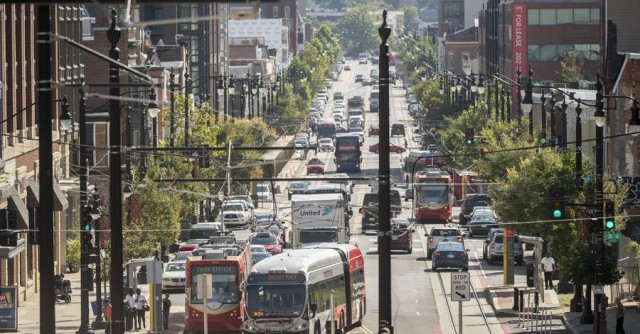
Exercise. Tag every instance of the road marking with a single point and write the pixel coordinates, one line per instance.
(374, 240)
(373, 249)
(417, 313)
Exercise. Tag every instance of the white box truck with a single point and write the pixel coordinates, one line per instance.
(318, 218)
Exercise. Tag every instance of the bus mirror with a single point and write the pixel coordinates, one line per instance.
(314, 308)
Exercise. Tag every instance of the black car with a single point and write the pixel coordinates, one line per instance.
(397, 130)
(481, 223)
(369, 211)
(471, 201)
(359, 78)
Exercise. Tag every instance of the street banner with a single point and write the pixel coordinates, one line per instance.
(8, 308)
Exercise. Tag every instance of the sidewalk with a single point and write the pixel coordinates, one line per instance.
(563, 321)
(67, 316)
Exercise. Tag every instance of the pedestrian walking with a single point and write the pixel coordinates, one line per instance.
(108, 314)
(548, 265)
(131, 309)
(619, 317)
(166, 305)
(141, 305)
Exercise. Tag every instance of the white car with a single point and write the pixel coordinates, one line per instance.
(234, 218)
(325, 144)
(263, 192)
(174, 275)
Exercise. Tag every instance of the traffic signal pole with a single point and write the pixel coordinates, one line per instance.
(384, 223)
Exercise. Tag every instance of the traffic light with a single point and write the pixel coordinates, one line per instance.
(430, 106)
(87, 226)
(543, 138)
(468, 136)
(483, 152)
(557, 203)
(609, 216)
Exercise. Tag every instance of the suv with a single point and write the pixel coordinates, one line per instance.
(442, 233)
(495, 249)
(369, 210)
(401, 234)
(397, 130)
(471, 201)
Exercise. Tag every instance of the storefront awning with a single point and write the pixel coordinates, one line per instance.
(11, 252)
(22, 213)
(60, 202)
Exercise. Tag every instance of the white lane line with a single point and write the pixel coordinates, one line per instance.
(373, 249)
(373, 240)
(478, 260)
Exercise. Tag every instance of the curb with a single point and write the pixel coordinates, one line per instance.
(568, 326)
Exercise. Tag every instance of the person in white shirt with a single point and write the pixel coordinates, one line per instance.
(141, 302)
(131, 309)
(548, 265)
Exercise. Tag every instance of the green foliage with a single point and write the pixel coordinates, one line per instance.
(410, 15)
(158, 220)
(73, 252)
(571, 67)
(452, 136)
(357, 30)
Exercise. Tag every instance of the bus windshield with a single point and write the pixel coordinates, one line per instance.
(348, 144)
(348, 156)
(225, 286)
(270, 300)
(326, 130)
(431, 193)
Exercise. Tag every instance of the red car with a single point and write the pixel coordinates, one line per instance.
(315, 165)
(270, 242)
(375, 148)
(401, 234)
(374, 129)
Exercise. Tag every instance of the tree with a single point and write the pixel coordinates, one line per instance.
(357, 30)
(410, 15)
(571, 67)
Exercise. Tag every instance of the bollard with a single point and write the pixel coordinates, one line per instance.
(515, 298)
(521, 300)
(536, 300)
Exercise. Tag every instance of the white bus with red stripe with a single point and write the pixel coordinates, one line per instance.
(292, 292)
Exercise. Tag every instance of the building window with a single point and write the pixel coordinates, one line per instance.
(595, 16)
(533, 17)
(276, 11)
(564, 16)
(287, 11)
(553, 52)
(581, 16)
(450, 9)
(547, 16)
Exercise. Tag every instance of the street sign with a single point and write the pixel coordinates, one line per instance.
(612, 235)
(460, 286)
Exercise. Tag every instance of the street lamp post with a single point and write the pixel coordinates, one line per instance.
(115, 193)
(543, 132)
(96, 213)
(527, 102)
(518, 82)
(153, 110)
(187, 83)
(172, 113)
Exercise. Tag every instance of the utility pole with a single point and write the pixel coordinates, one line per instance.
(115, 190)
(384, 225)
(229, 170)
(45, 154)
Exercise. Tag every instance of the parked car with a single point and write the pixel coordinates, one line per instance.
(325, 144)
(374, 129)
(315, 165)
(402, 234)
(297, 187)
(481, 222)
(495, 249)
(174, 275)
(471, 201)
(375, 148)
(450, 255)
(487, 239)
(440, 234)
(270, 243)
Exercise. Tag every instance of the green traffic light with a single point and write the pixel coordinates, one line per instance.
(557, 214)
(87, 227)
(609, 224)
(543, 141)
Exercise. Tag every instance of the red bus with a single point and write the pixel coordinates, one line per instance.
(433, 196)
(229, 267)
(467, 182)
(292, 292)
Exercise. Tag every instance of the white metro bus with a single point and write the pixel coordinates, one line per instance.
(291, 292)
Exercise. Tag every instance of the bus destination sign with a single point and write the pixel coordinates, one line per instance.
(276, 277)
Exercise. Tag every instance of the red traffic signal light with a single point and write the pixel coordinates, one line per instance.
(430, 106)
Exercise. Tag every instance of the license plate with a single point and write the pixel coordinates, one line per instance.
(484, 226)
(394, 238)
(450, 256)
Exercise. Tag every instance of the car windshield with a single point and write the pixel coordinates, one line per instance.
(262, 240)
(232, 207)
(298, 186)
(262, 188)
(498, 239)
(450, 246)
(326, 141)
(444, 233)
(315, 162)
(175, 266)
(310, 236)
(483, 218)
(271, 300)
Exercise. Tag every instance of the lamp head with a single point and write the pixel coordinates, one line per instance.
(66, 119)
(152, 108)
(127, 191)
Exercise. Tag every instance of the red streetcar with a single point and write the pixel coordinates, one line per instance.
(433, 196)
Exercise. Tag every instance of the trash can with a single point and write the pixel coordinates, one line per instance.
(531, 272)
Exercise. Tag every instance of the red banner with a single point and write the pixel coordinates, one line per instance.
(519, 37)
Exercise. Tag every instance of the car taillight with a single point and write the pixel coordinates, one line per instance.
(430, 239)
(437, 253)
(459, 239)
(463, 253)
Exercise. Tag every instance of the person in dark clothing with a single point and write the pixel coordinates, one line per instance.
(619, 317)
(166, 305)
